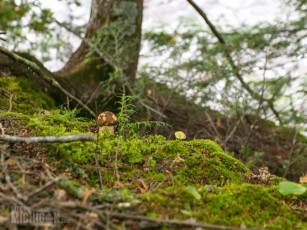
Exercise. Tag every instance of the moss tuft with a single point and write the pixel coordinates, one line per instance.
(231, 205)
(25, 97)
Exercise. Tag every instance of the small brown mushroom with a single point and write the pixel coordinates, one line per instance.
(106, 121)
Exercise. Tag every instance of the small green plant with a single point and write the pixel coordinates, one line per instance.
(126, 110)
(126, 128)
(68, 113)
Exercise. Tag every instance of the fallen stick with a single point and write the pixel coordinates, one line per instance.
(178, 223)
(47, 139)
(47, 185)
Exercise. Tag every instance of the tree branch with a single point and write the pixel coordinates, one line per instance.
(230, 60)
(47, 139)
(162, 222)
(42, 73)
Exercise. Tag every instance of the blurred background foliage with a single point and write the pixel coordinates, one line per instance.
(32, 28)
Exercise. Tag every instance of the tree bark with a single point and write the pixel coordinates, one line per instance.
(111, 44)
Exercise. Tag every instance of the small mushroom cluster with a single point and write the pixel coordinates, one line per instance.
(106, 121)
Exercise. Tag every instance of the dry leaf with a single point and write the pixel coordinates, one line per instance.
(61, 194)
(303, 179)
(118, 185)
(178, 159)
(11, 162)
(146, 169)
(143, 187)
(86, 195)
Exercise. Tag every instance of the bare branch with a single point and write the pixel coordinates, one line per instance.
(291, 152)
(47, 139)
(233, 130)
(177, 223)
(230, 60)
(40, 189)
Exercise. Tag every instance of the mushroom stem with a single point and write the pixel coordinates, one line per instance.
(110, 129)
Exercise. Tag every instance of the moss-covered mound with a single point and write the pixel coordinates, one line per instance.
(20, 95)
(160, 178)
(230, 205)
(147, 176)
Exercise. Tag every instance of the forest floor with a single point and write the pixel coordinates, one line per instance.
(129, 180)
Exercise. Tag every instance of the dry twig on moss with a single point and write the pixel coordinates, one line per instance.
(173, 223)
(47, 139)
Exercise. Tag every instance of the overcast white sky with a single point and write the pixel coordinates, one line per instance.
(167, 13)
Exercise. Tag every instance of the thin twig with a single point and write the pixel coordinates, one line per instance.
(212, 124)
(233, 130)
(170, 222)
(291, 153)
(234, 67)
(15, 190)
(140, 218)
(260, 105)
(10, 102)
(97, 162)
(116, 159)
(47, 139)
(47, 185)
(12, 199)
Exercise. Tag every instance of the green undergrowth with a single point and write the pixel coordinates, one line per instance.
(162, 178)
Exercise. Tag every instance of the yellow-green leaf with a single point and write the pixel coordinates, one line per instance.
(180, 135)
(192, 191)
(287, 187)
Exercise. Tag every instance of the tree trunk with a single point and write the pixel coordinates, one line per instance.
(109, 51)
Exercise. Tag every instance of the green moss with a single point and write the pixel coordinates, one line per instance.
(230, 205)
(71, 187)
(20, 119)
(167, 169)
(26, 97)
(168, 162)
(57, 124)
(229, 162)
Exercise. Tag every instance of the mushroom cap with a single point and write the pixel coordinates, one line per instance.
(106, 119)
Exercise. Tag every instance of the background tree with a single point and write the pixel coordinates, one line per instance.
(106, 61)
